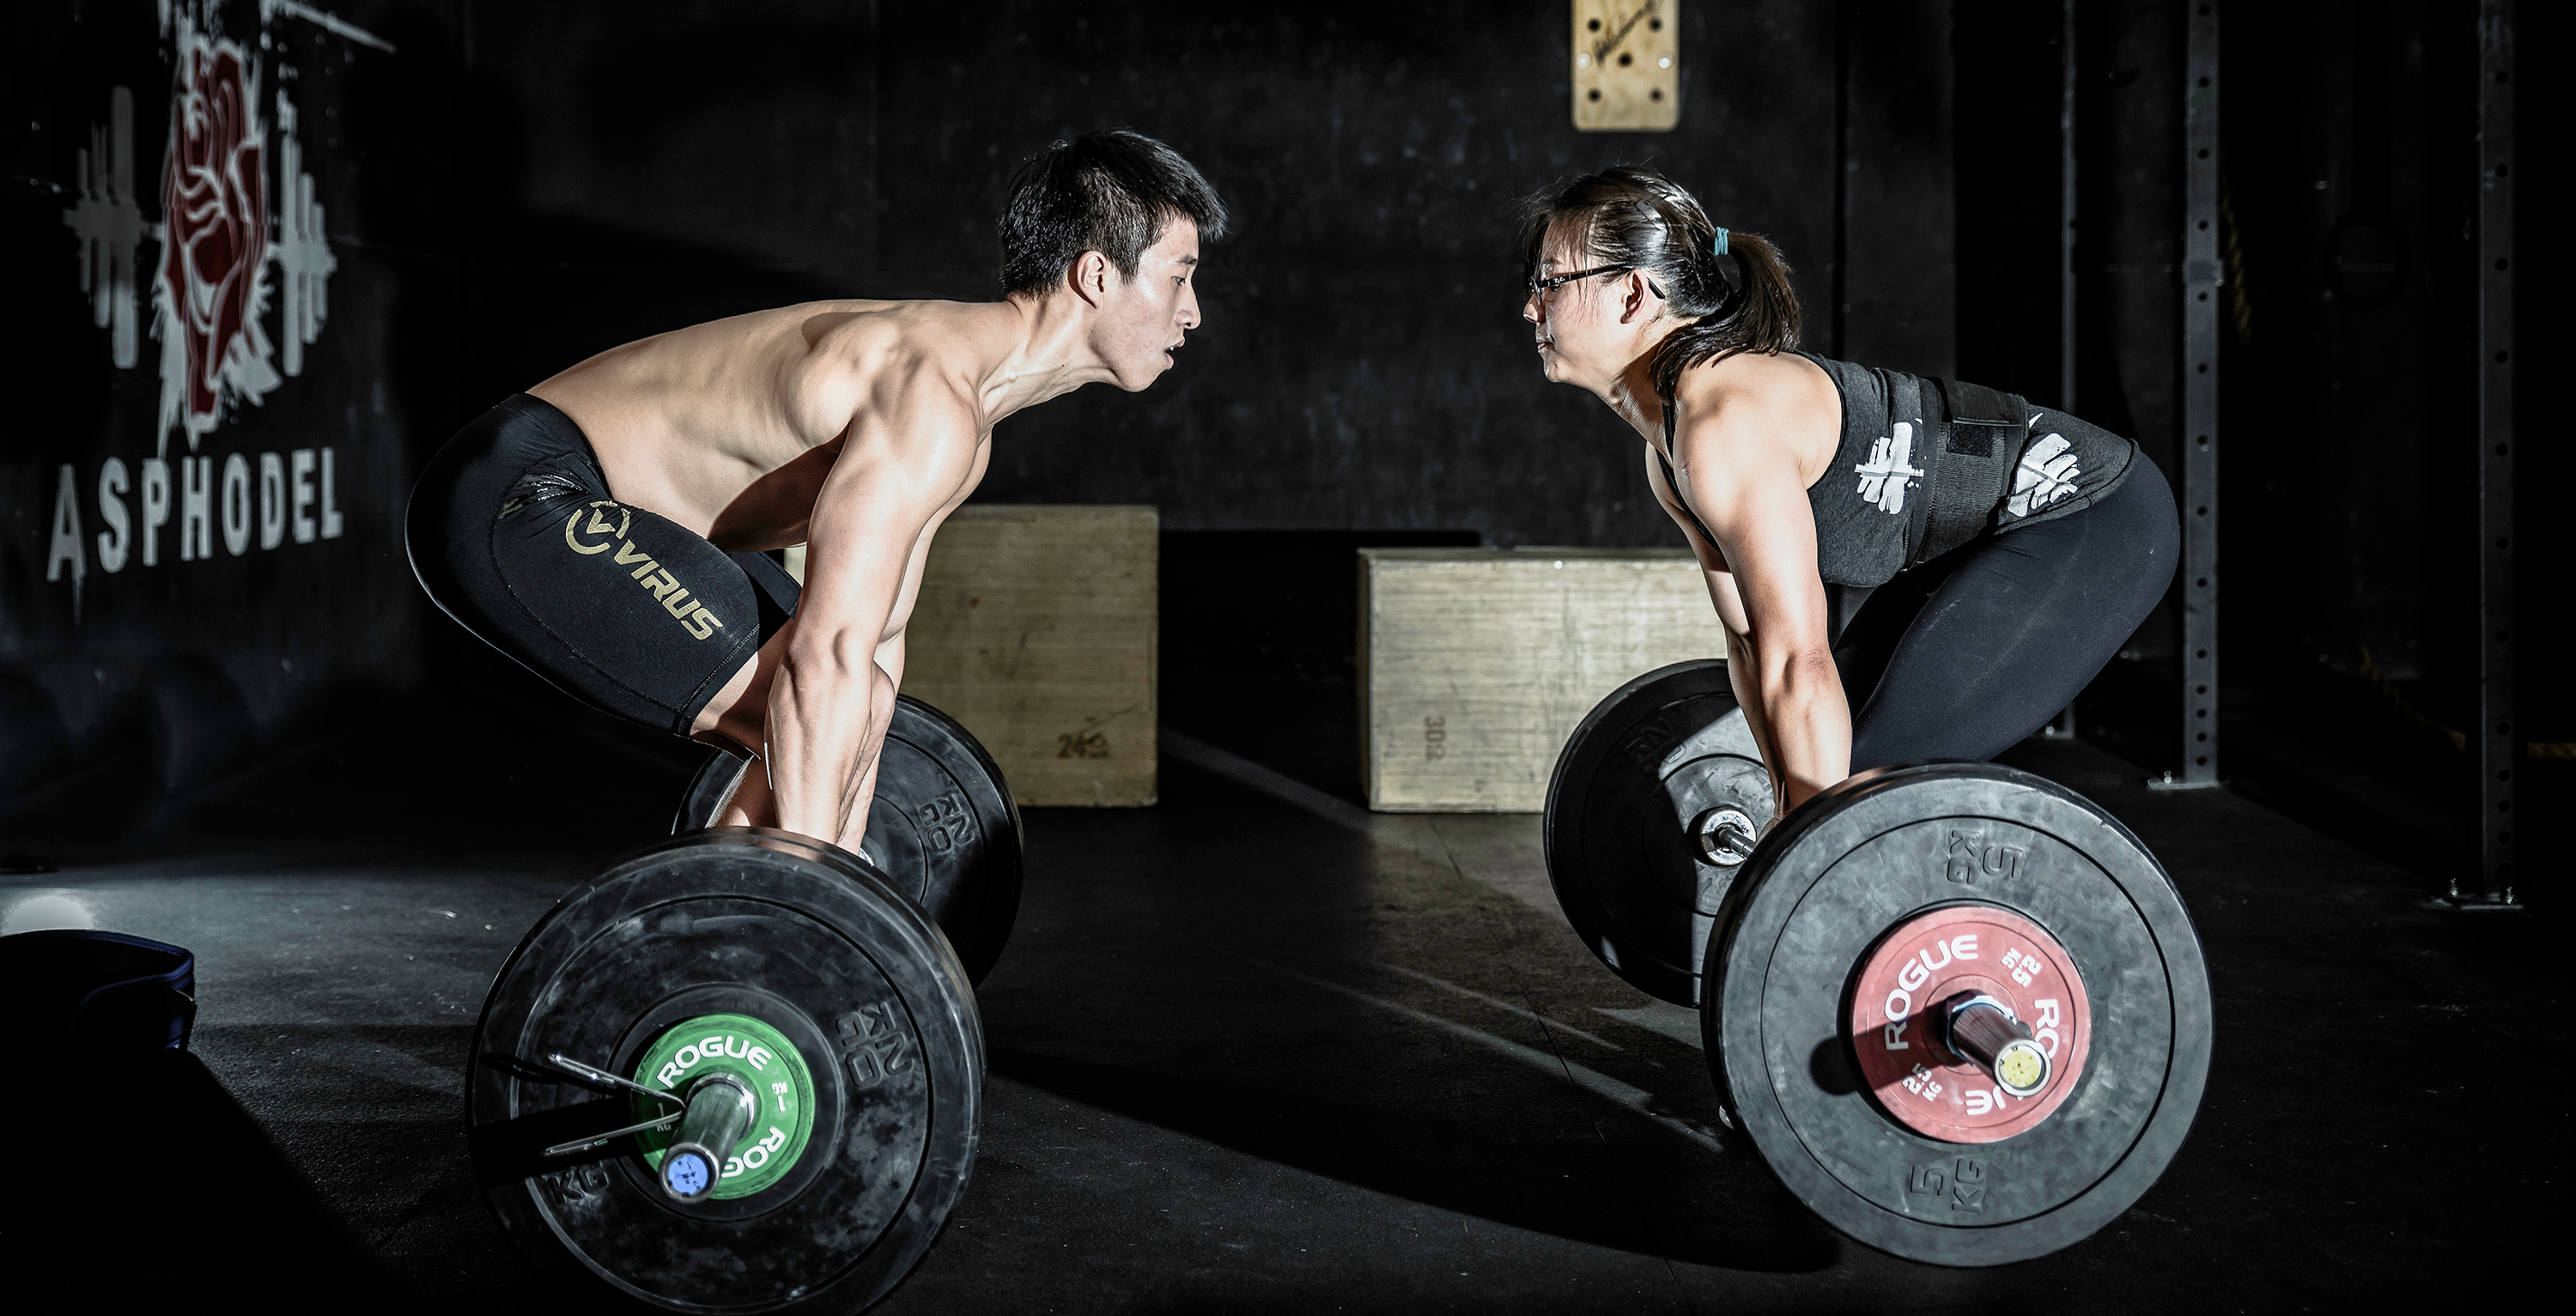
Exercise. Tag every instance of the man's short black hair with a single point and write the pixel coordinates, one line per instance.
(1111, 192)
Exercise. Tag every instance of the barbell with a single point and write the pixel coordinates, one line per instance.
(742, 1069)
(1959, 1010)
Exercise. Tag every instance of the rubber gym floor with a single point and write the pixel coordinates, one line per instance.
(1255, 1049)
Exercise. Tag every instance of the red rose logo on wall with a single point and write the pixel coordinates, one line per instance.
(218, 218)
(231, 234)
(211, 285)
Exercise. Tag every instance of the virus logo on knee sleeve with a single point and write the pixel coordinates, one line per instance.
(2047, 473)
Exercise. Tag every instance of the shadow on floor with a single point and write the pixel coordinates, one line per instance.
(1428, 1155)
(1359, 1011)
(151, 1187)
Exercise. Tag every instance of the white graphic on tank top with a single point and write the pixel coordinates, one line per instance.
(1888, 473)
(2048, 472)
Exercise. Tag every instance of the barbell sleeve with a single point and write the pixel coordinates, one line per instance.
(1985, 1034)
(721, 1107)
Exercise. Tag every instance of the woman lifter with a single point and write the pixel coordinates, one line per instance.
(2014, 548)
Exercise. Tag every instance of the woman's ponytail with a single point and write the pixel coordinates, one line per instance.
(1761, 315)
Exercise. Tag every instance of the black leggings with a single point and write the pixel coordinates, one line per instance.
(1965, 655)
(513, 531)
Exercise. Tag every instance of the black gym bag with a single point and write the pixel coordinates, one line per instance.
(110, 990)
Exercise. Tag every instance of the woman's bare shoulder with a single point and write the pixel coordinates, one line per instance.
(1763, 402)
(1762, 379)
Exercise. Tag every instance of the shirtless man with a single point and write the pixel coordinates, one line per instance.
(608, 527)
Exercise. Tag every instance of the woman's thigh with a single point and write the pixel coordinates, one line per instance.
(1983, 651)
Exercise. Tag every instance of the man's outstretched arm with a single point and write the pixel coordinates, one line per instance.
(901, 467)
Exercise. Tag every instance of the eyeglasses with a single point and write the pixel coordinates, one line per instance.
(1539, 286)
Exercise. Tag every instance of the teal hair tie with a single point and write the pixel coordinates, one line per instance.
(1720, 248)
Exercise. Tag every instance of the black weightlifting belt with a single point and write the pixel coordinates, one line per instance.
(1973, 436)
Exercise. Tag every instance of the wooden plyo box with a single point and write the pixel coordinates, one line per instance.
(1476, 663)
(1036, 629)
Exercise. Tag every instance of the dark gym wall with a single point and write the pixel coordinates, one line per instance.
(2351, 200)
(217, 409)
(1363, 364)
(1894, 298)
(2350, 339)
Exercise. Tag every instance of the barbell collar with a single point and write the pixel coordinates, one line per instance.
(1724, 836)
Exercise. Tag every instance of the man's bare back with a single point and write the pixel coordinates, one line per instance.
(729, 427)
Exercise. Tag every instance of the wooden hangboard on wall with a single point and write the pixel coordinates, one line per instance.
(1627, 65)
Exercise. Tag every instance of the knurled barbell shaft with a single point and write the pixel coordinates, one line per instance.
(602, 1140)
(605, 1079)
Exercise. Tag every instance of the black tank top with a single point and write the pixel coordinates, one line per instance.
(1875, 506)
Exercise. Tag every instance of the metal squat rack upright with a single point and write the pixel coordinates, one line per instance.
(2497, 744)
(2202, 276)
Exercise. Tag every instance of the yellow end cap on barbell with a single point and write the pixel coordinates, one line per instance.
(2022, 1068)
